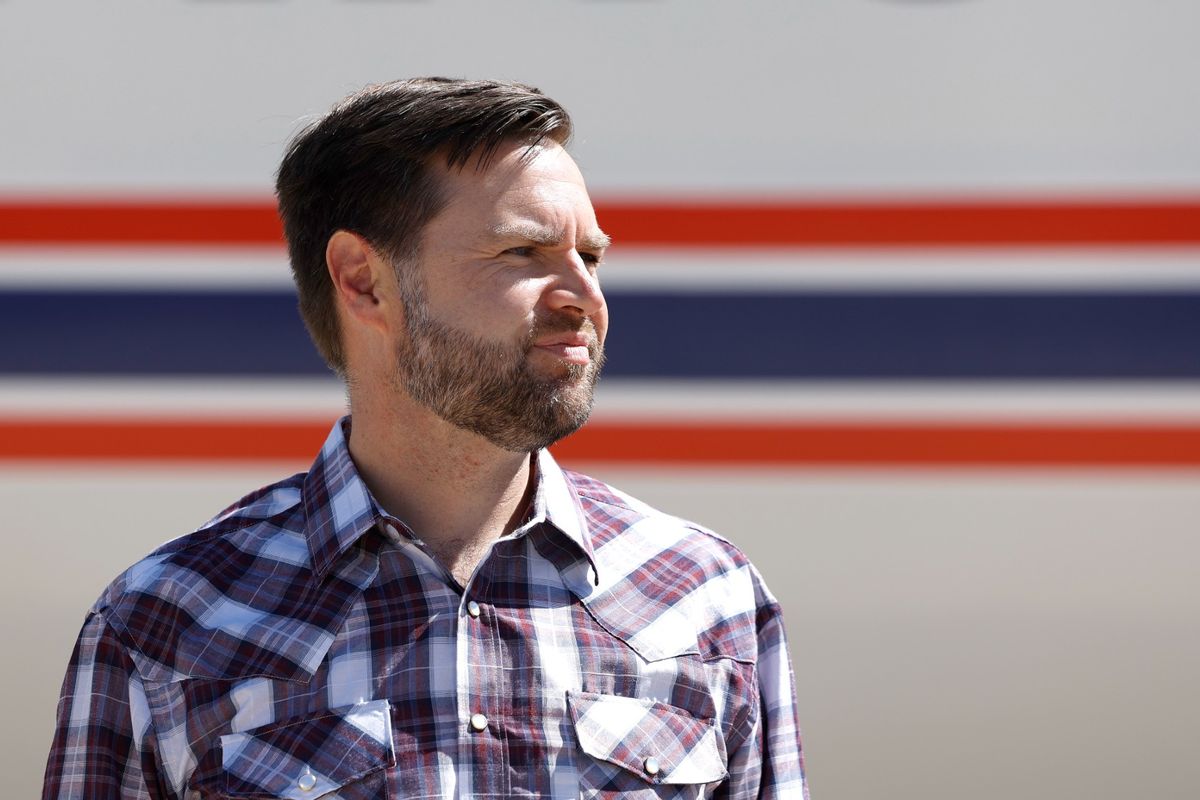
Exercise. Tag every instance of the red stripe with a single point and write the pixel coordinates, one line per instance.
(718, 444)
(890, 223)
(906, 224)
(146, 223)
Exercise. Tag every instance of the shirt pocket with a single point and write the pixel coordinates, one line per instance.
(644, 746)
(343, 752)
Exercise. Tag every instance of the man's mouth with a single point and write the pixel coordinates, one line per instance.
(573, 348)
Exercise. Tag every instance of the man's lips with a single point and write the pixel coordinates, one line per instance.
(574, 348)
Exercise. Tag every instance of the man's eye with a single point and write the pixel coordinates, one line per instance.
(520, 252)
(591, 259)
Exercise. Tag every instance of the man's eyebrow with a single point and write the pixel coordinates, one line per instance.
(548, 237)
(596, 241)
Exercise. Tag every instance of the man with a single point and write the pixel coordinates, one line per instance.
(437, 609)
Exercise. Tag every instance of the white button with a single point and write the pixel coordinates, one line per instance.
(307, 781)
(478, 722)
(392, 533)
(473, 608)
(651, 766)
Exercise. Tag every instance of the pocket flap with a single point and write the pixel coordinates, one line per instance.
(660, 743)
(305, 758)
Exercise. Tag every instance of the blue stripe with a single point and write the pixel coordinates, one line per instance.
(810, 335)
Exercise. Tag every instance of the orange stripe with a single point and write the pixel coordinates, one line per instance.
(892, 223)
(889, 444)
(120, 440)
(906, 224)
(129, 222)
(834, 444)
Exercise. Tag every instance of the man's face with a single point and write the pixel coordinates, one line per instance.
(504, 319)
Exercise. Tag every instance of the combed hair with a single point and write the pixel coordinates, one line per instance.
(365, 167)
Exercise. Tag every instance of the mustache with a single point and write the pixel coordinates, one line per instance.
(550, 324)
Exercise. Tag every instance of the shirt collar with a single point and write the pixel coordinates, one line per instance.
(339, 507)
(555, 502)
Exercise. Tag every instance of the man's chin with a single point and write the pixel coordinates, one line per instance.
(531, 441)
(559, 374)
(563, 415)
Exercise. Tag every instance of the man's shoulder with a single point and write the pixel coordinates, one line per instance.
(246, 526)
(234, 567)
(667, 585)
(616, 517)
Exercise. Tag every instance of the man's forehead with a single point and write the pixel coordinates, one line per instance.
(528, 193)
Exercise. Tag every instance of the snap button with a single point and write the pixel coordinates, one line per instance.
(307, 781)
(478, 722)
(392, 533)
(651, 766)
(473, 608)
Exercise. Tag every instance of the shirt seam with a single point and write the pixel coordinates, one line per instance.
(151, 733)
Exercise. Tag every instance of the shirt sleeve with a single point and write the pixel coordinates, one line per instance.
(101, 749)
(770, 762)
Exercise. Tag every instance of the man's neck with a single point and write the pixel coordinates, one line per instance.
(454, 489)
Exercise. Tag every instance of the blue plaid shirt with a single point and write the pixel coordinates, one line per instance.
(305, 644)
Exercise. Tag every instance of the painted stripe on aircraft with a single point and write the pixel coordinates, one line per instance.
(646, 444)
(818, 335)
(923, 222)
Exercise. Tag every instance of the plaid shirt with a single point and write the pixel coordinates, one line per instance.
(305, 644)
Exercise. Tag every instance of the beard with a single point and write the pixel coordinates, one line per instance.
(491, 388)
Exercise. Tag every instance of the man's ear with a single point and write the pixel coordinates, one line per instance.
(359, 282)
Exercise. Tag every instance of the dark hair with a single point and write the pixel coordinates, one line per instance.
(365, 167)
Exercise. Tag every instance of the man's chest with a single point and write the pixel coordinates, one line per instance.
(514, 687)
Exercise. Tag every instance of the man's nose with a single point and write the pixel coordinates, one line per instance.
(576, 286)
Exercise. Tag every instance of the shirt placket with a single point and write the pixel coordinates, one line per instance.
(481, 675)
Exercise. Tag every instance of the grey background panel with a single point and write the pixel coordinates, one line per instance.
(763, 95)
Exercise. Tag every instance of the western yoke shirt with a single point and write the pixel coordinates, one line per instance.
(305, 644)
